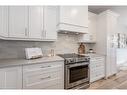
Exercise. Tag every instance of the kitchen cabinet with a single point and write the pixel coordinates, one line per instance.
(50, 22)
(42, 23)
(45, 73)
(90, 37)
(106, 28)
(3, 21)
(11, 78)
(18, 22)
(97, 68)
(35, 22)
(44, 76)
(73, 19)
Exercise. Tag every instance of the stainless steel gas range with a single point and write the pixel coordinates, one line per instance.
(76, 71)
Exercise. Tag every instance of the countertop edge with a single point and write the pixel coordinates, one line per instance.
(5, 63)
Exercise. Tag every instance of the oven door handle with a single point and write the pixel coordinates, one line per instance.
(75, 65)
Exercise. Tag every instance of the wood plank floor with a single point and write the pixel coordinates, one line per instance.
(118, 81)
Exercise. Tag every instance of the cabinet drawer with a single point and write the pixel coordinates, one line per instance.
(42, 80)
(96, 63)
(98, 74)
(42, 77)
(44, 67)
(45, 85)
(92, 79)
(96, 66)
(97, 58)
(94, 70)
(43, 71)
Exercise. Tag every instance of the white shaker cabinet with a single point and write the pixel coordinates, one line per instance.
(50, 22)
(44, 76)
(92, 29)
(11, 78)
(42, 22)
(92, 23)
(18, 21)
(35, 22)
(107, 27)
(3, 21)
(73, 18)
(75, 15)
(97, 68)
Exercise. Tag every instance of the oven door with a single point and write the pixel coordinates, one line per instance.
(76, 74)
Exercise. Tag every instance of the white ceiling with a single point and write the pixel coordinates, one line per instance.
(121, 10)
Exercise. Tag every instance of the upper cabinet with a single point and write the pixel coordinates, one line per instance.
(35, 22)
(18, 22)
(3, 22)
(92, 29)
(73, 19)
(74, 15)
(41, 23)
(50, 22)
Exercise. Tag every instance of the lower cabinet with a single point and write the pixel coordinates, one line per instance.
(44, 76)
(11, 78)
(97, 68)
(37, 76)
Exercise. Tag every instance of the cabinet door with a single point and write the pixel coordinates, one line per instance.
(92, 25)
(113, 62)
(4, 21)
(112, 28)
(2, 79)
(18, 21)
(11, 78)
(35, 22)
(75, 15)
(50, 22)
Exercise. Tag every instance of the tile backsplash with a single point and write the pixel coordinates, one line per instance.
(66, 43)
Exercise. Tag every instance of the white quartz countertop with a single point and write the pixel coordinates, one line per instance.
(20, 62)
(93, 55)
